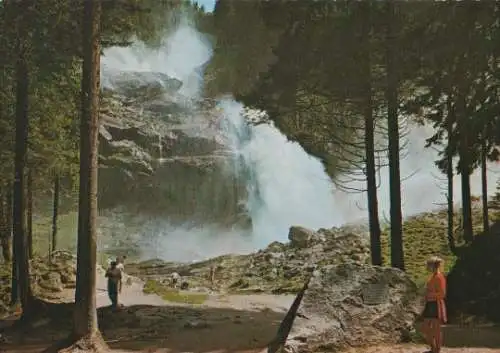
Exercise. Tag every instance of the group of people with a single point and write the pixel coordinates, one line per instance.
(433, 315)
(114, 274)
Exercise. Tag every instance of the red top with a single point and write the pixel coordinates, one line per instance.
(436, 292)
(436, 287)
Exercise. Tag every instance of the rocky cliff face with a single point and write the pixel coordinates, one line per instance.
(160, 153)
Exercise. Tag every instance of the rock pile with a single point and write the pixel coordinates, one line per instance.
(48, 277)
(279, 268)
(348, 302)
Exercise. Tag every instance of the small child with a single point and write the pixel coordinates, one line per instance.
(120, 265)
(120, 262)
(175, 279)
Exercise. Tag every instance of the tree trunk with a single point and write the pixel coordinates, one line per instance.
(371, 181)
(397, 253)
(21, 146)
(484, 185)
(466, 204)
(3, 229)
(55, 212)
(85, 334)
(29, 220)
(6, 227)
(85, 320)
(14, 286)
(464, 166)
(449, 177)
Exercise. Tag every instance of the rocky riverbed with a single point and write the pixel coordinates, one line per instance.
(347, 301)
(279, 268)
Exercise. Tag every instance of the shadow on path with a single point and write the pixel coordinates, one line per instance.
(149, 328)
(479, 336)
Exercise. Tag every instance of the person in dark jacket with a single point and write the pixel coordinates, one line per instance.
(114, 276)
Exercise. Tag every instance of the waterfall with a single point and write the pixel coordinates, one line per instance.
(285, 185)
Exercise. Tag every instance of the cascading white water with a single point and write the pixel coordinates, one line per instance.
(285, 185)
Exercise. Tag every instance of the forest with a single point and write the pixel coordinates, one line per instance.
(331, 73)
(332, 76)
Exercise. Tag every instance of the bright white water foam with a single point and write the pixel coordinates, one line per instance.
(286, 186)
(181, 55)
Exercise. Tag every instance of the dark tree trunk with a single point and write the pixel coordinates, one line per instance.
(449, 177)
(397, 253)
(55, 212)
(6, 225)
(29, 220)
(3, 228)
(85, 321)
(21, 146)
(464, 167)
(6, 209)
(85, 334)
(484, 185)
(14, 287)
(371, 182)
(466, 202)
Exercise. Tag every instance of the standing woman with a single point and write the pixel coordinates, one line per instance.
(434, 314)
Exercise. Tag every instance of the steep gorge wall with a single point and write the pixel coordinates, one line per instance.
(161, 155)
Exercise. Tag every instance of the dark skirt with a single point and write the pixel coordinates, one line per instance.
(431, 310)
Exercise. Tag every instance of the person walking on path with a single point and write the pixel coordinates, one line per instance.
(114, 276)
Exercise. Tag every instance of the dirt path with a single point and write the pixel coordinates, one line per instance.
(132, 295)
(223, 324)
(419, 349)
(147, 323)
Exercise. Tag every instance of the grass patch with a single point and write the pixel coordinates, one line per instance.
(172, 295)
(425, 235)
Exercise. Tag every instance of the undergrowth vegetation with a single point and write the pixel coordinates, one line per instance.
(173, 295)
(425, 235)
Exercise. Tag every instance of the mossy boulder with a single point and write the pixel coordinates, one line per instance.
(49, 277)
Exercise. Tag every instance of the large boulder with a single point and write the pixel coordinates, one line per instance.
(140, 84)
(353, 305)
(51, 281)
(300, 237)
